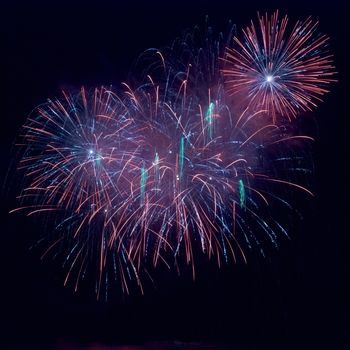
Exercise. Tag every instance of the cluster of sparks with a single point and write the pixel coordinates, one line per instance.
(177, 165)
(284, 73)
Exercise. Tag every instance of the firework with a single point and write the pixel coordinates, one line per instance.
(283, 71)
(208, 175)
(171, 167)
(79, 155)
(208, 171)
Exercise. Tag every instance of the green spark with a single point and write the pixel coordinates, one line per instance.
(242, 194)
(181, 156)
(143, 181)
(209, 118)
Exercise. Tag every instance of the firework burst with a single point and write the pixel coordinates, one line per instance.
(79, 155)
(208, 171)
(170, 167)
(282, 71)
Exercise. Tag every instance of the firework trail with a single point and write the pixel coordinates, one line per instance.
(284, 71)
(169, 169)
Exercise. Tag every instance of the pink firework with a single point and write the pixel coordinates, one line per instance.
(282, 71)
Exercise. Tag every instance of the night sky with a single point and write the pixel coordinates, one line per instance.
(293, 298)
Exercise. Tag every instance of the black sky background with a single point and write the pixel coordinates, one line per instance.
(294, 298)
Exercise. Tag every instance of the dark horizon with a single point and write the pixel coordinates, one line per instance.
(293, 298)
